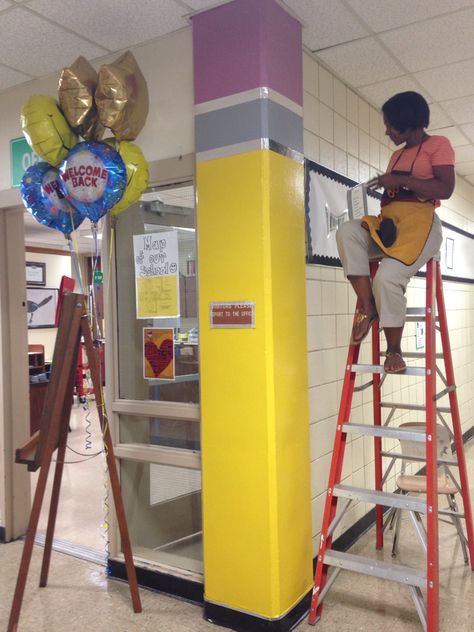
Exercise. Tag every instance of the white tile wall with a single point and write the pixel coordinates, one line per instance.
(345, 133)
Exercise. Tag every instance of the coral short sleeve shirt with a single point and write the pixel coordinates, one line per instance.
(435, 151)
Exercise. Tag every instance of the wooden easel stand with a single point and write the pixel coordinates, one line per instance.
(39, 449)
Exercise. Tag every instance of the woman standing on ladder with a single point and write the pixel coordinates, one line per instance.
(407, 233)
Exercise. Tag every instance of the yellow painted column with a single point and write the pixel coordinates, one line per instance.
(254, 390)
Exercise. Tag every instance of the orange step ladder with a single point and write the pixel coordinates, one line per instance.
(423, 583)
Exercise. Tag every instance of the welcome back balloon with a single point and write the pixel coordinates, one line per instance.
(42, 195)
(93, 178)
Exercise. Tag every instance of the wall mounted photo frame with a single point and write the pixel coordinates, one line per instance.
(41, 307)
(35, 273)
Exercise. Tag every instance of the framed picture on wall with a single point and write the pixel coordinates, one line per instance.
(41, 306)
(35, 273)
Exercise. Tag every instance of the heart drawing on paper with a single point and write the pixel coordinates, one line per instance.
(159, 357)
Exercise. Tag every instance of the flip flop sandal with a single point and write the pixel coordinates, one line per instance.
(362, 318)
(391, 354)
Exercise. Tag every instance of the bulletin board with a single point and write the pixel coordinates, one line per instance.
(326, 209)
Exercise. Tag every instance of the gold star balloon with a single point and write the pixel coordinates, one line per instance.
(76, 89)
(122, 97)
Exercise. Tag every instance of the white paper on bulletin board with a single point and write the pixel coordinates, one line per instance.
(156, 274)
(327, 208)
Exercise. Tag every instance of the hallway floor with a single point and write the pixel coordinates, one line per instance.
(79, 598)
(81, 512)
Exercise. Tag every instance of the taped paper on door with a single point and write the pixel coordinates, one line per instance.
(157, 274)
(158, 354)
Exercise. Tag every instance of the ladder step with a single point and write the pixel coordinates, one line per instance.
(414, 314)
(415, 319)
(376, 568)
(376, 497)
(378, 368)
(440, 409)
(420, 354)
(388, 432)
(419, 459)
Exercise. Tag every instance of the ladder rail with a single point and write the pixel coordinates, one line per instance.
(453, 401)
(432, 558)
(376, 399)
(335, 472)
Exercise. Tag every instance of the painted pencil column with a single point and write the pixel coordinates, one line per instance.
(251, 243)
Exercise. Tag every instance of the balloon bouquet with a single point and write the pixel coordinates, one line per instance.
(86, 179)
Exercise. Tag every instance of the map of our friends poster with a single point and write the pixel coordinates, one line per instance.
(157, 274)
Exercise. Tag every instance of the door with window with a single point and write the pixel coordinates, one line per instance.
(154, 390)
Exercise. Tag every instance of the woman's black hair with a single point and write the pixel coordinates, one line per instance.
(407, 110)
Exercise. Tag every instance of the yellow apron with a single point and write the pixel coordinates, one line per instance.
(413, 221)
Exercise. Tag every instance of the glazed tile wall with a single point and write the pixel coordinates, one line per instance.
(345, 133)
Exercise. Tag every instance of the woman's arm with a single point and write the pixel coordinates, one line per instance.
(440, 187)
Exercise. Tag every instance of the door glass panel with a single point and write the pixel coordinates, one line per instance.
(161, 210)
(155, 431)
(163, 509)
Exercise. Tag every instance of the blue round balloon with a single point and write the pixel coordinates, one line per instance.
(93, 178)
(42, 195)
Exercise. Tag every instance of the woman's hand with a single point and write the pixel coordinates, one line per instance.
(387, 181)
(440, 186)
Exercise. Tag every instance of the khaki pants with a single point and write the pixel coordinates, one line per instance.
(356, 249)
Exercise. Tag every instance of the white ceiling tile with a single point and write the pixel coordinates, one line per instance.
(448, 80)
(114, 24)
(461, 110)
(27, 44)
(456, 137)
(381, 15)
(9, 78)
(465, 168)
(438, 42)
(361, 62)
(326, 23)
(469, 131)
(464, 153)
(378, 93)
(438, 117)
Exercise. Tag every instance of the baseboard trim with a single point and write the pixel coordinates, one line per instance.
(160, 581)
(245, 622)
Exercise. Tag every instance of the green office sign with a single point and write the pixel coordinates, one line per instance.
(21, 157)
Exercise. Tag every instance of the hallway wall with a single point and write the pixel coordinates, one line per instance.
(343, 132)
(56, 267)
